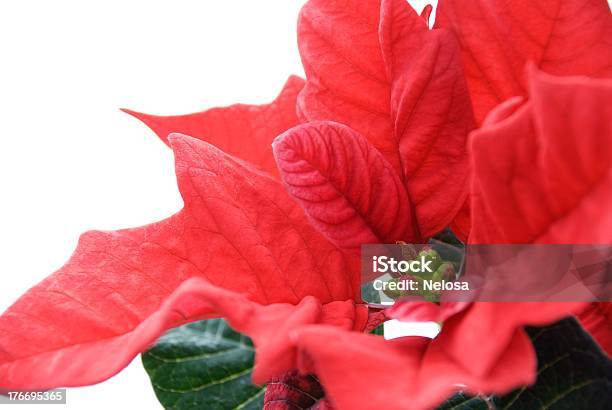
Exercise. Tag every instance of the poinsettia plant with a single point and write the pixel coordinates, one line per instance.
(495, 124)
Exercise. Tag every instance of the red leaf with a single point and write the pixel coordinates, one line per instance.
(467, 326)
(597, 320)
(98, 357)
(345, 71)
(431, 110)
(466, 337)
(461, 225)
(543, 169)
(238, 229)
(362, 372)
(245, 131)
(426, 13)
(295, 391)
(347, 188)
(539, 173)
(562, 37)
(382, 72)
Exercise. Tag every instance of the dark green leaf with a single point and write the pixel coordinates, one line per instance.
(204, 365)
(379, 330)
(573, 374)
(447, 236)
(461, 401)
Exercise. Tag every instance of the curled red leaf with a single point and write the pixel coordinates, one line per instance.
(347, 188)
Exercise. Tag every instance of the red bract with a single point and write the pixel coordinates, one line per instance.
(245, 131)
(377, 68)
(526, 189)
(351, 194)
(238, 230)
(553, 154)
(597, 319)
(364, 371)
(562, 37)
(498, 38)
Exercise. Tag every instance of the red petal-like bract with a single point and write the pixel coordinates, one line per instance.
(295, 391)
(245, 131)
(462, 223)
(381, 71)
(346, 77)
(350, 192)
(362, 372)
(479, 352)
(430, 110)
(238, 230)
(542, 169)
(597, 319)
(426, 13)
(100, 357)
(464, 335)
(498, 37)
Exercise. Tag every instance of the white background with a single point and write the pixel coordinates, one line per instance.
(70, 161)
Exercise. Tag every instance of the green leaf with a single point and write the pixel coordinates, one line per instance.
(379, 330)
(204, 365)
(460, 401)
(573, 373)
(447, 236)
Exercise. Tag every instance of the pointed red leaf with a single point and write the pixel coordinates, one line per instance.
(245, 131)
(345, 70)
(238, 230)
(541, 170)
(562, 37)
(347, 188)
(426, 13)
(382, 72)
(431, 110)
